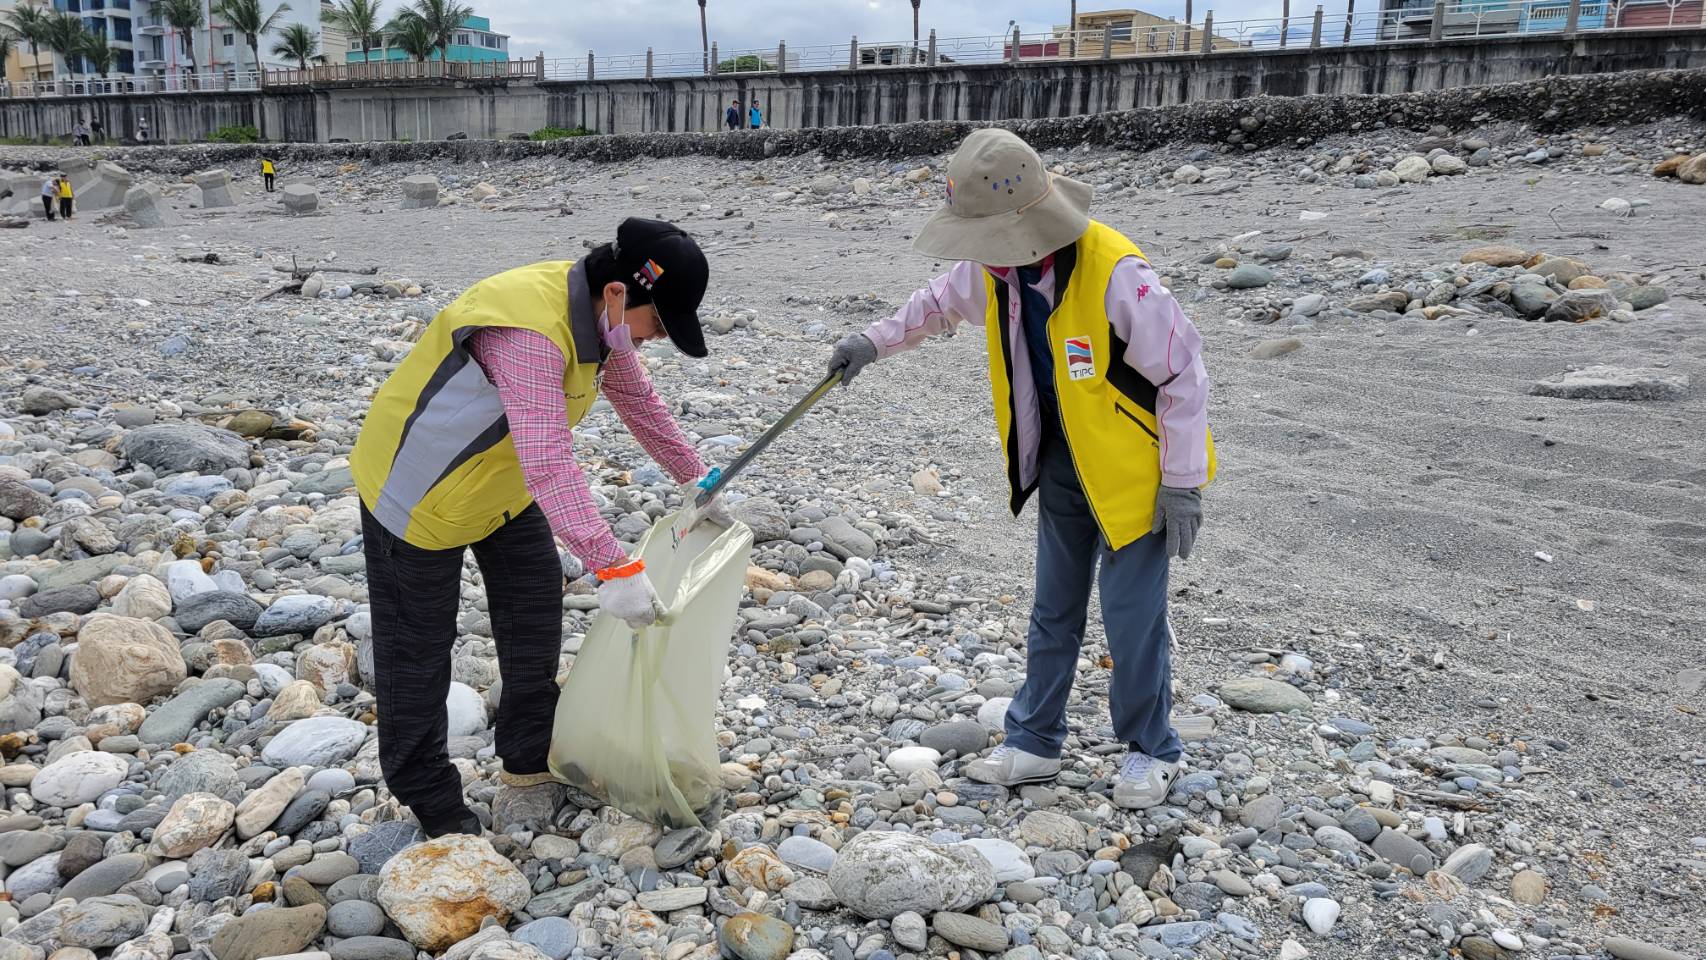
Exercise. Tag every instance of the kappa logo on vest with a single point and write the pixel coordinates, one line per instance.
(1080, 358)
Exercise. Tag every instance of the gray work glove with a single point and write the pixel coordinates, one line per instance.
(853, 354)
(1178, 510)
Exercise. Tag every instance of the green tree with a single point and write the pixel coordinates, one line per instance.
(359, 19)
(409, 34)
(28, 23)
(248, 18)
(745, 63)
(298, 43)
(66, 36)
(441, 18)
(185, 17)
(99, 54)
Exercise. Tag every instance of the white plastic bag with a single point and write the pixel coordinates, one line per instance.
(635, 722)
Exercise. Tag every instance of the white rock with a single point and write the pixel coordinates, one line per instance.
(908, 760)
(1507, 939)
(993, 713)
(78, 778)
(1320, 913)
(885, 874)
(185, 579)
(467, 710)
(1616, 206)
(1292, 950)
(1413, 169)
(1008, 860)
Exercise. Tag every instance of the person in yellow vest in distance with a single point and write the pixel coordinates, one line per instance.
(267, 172)
(65, 196)
(468, 445)
(1101, 406)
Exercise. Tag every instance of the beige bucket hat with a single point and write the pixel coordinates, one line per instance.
(1004, 209)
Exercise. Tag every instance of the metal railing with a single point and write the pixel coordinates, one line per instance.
(1417, 20)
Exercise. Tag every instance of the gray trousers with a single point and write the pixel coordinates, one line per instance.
(1134, 616)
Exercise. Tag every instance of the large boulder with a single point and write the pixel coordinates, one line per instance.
(184, 447)
(438, 892)
(125, 660)
(879, 875)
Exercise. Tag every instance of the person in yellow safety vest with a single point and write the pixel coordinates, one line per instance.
(65, 196)
(1101, 405)
(467, 445)
(267, 172)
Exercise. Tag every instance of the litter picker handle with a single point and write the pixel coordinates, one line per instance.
(720, 479)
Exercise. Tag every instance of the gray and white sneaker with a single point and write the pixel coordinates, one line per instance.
(1144, 781)
(1009, 766)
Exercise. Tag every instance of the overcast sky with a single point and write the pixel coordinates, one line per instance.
(569, 28)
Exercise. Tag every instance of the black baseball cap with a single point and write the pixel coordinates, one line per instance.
(661, 259)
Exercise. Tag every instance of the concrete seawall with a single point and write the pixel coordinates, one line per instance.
(993, 92)
(1554, 104)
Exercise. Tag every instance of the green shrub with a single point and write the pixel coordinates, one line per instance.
(235, 135)
(558, 133)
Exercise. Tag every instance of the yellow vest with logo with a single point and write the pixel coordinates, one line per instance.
(1107, 407)
(435, 463)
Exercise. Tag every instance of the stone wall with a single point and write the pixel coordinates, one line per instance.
(991, 92)
(1555, 104)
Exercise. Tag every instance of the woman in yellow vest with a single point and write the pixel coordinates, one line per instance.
(467, 446)
(1101, 405)
(267, 172)
(65, 196)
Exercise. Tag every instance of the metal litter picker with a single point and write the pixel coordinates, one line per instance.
(635, 720)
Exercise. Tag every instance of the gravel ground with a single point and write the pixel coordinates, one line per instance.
(1505, 588)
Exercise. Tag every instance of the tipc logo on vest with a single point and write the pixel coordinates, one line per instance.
(1080, 359)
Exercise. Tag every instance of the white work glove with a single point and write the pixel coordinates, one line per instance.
(630, 598)
(717, 511)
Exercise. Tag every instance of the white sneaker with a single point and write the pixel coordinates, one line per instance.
(1009, 766)
(1144, 781)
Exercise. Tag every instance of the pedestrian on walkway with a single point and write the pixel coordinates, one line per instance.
(65, 196)
(1101, 406)
(80, 133)
(757, 116)
(267, 172)
(99, 129)
(142, 130)
(468, 445)
(731, 116)
(49, 193)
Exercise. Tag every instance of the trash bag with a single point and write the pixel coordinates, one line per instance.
(635, 722)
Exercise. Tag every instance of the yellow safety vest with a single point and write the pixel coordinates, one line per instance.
(266, 166)
(435, 463)
(65, 189)
(1107, 407)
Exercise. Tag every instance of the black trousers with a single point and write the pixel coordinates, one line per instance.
(65, 207)
(47, 207)
(414, 595)
(268, 177)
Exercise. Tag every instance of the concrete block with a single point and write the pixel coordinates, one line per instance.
(107, 188)
(1615, 383)
(25, 194)
(216, 189)
(300, 199)
(146, 206)
(420, 190)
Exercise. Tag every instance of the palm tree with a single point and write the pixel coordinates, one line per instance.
(409, 34)
(99, 53)
(359, 19)
(442, 18)
(247, 18)
(28, 23)
(185, 17)
(704, 36)
(65, 35)
(297, 42)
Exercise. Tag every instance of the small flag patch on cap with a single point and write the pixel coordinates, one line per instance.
(648, 274)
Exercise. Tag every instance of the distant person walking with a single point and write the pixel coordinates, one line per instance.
(100, 130)
(80, 133)
(267, 172)
(142, 130)
(731, 116)
(757, 116)
(49, 193)
(65, 196)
